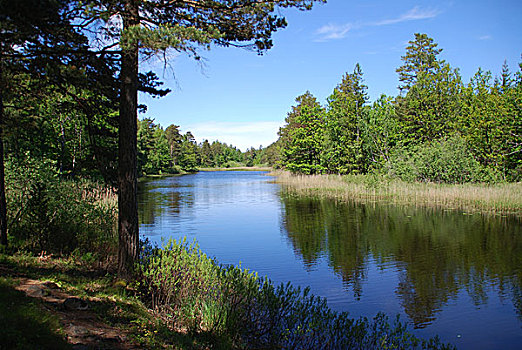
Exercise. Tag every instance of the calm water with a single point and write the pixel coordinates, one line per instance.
(445, 272)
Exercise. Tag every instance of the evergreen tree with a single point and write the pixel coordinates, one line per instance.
(153, 148)
(492, 123)
(420, 58)
(207, 158)
(160, 159)
(342, 150)
(174, 139)
(189, 158)
(429, 104)
(302, 136)
(506, 80)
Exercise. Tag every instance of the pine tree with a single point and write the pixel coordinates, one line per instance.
(342, 150)
(420, 58)
(302, 136)
(150, 27)
(429, 104)
(174, 139)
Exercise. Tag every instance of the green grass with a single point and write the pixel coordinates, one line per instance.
(113, 302)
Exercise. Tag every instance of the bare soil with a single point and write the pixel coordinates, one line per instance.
(83, 328)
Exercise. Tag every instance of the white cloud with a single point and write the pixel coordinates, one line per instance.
(485, 37)
(340, 31)
(414, 14)
(242, 135)
(333, 31)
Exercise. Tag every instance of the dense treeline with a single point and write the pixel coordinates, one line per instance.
(168, 151)
(437, 129)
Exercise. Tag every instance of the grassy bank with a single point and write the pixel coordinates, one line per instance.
(502, 199)
(35, 294)
(181, 300)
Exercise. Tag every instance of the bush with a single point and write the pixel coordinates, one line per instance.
(242, 310)
(444, 161)
(47, 213)
(306, 169)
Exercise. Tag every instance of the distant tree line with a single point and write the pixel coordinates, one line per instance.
(168, 151)
(437, 129)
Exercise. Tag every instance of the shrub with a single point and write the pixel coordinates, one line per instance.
(47, 213)
(447, 160)
(242, 310)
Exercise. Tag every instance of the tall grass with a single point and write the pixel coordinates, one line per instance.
(501, 198)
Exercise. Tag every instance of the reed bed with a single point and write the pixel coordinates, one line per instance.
(501, 199)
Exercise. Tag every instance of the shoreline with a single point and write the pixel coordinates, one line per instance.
(240, 168)
(499, 199)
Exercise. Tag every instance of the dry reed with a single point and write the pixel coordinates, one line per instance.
(503, 198)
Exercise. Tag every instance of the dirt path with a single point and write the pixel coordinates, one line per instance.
(83, 328)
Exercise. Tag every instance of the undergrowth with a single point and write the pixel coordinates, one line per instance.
(239, 309)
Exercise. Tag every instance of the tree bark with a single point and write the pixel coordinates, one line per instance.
(128, 232)
(3, 203)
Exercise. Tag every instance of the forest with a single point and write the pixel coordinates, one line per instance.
(167, 151)
(438, 129)
(73, 144)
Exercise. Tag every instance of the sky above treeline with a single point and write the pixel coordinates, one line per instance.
(238, 97)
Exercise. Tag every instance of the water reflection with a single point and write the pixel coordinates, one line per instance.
(437, 254)
(163, 197)
(445, 272)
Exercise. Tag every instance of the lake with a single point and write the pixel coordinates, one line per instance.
(451, 273)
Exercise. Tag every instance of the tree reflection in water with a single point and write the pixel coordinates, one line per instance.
(438, 253)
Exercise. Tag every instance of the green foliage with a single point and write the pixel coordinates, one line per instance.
(379, 132)
(154, 156)
(492, 125)
(270, 155)
(242, 310)
(302, 136)
(412, 135)
(189, 155)
(175, 280)
(431, 103)
(341, 153)
(448, 160)
(420, 58)
(54, 215)
(431, 107)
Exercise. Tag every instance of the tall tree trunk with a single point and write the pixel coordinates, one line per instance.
(127, 171)
(3, 203)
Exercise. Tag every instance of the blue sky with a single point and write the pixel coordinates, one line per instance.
(242, 99)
